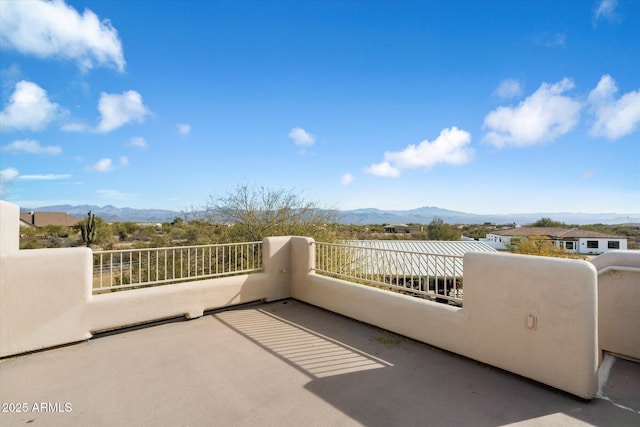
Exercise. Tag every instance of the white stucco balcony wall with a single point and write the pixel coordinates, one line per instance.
(619, 302)
(502, 291)
(534, 316)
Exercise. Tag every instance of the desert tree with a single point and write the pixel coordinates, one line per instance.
(539, 245)
(548, 222)
(256, 212)
(439, 230)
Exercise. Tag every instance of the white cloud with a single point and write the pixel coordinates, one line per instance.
(103, 165)
(551, 40)
(45, 177)
(7, 176)
(614, 118)
(119, 109)
(32, 147)
(74, 127)
(139, 142)
(29, 108)
(108, 165)
(184, 129)
(9, 76)
(54, 29)
(115, 194)
(541, 117)
(383, 169)
(508, 89)
(450, 147)
(347, 179)
(588, 174)
(302, 137)
(606, 10)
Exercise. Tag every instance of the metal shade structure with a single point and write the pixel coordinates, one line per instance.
(414, 257)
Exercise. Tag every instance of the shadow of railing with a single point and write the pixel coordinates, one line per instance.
(420, 385)
(313, 354)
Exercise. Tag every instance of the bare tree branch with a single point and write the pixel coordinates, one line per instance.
(259, 212)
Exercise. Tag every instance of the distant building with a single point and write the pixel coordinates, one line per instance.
(26, 220)
(402, 228)
(42, 219)
(572, 240)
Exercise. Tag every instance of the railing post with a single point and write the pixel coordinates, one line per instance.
(276, 265)
(303, 261)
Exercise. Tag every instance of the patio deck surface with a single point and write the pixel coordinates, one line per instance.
(287, 363)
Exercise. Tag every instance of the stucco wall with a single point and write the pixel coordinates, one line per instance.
(43, 294)
(46, 294)
(619, 302)
(118, 309)
(501, 291)
(9, 227)
(46, 300)
(561, 347)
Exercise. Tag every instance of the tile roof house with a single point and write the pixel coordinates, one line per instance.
(573, 240)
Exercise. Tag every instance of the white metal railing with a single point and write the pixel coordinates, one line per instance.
(432, 276)
(134, 268)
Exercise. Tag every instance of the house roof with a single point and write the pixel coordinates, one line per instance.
(41, 219)
(432, 247)
(27, 217)
(555, 232)
(24, 223)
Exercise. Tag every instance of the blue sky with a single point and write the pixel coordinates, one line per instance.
(483, 107)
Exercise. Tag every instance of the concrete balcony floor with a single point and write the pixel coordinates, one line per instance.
(288, 364)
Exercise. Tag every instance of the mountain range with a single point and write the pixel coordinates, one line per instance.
(423, 215)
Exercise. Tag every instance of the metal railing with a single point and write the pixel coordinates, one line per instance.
(431, 276)
(135, 268)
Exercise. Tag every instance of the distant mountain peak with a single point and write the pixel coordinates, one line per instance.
(422, 215)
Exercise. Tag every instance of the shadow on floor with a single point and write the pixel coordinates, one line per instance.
(379, 378)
